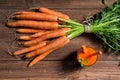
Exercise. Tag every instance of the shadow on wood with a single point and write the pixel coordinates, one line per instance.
(70, 63)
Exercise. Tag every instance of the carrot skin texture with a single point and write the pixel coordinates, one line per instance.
(39, 34)
(43, 55)
(31, 48)
(27, 30)
(53, 12)
(34, 24)
(38, 58)
(37, 16)
(51, 34)
(48, 47)
(26, 38)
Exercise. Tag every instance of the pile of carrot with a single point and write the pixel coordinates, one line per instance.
(46, 32)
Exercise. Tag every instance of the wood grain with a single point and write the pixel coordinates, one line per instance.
(59, 70)
(60, 64)
(64, 4)
(12, 4)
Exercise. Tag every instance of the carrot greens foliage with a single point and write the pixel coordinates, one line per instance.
(106, 25)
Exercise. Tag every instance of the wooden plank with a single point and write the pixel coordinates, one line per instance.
(12, 4)
(68, 3)
(16, 4)
(48, 70)
(61, 64)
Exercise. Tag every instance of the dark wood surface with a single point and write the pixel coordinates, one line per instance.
(59, 65)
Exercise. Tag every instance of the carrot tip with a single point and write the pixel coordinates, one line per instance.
(29, 65)
(9, 24)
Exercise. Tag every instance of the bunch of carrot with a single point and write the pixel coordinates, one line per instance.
(47, 32)
(51, 30)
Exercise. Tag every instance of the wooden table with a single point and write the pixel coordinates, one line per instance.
(59, 65)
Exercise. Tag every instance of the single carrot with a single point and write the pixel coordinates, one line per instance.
(43, 55)
(48, 35)
(27, 30)
(12, 16)
(34, 24)
(39, 34)
(37, 16)
(31, 48)
(53, 12)
(48, 47)
(26, 38)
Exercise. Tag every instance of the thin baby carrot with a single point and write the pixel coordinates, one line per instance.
(37, 16)
(39, 34)
(26, 38)
(48, 35)
(43, 55)
(53, 12)
(31, 48)
(34, 24)
(38, 58)
(28, 30)
(48, 47)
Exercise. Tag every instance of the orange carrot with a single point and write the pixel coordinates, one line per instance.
(26, 38)
(27, 30)
(34, 24)
(37, 16)
(39, 34)
(43, 55)
(38, 58)
(48, 47)
(53, 12)
(31, 48)
(48, 35)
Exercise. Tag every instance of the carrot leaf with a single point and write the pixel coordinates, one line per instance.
(106, 26)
